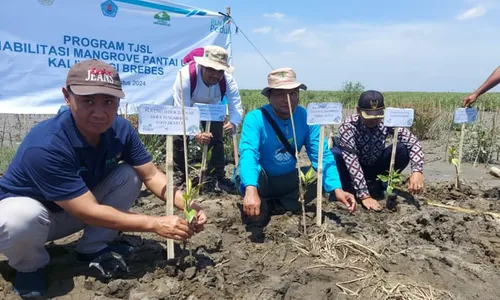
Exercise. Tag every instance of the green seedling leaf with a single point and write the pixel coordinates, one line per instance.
(190, 214)
(389, 190)
(302, 176)
(396, 180)
(209, 153)
(383, 178)
(310, 178)
(454, 161)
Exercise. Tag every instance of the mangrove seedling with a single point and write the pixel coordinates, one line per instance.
(307, 178)
(391, 179)
(453, 159)
(189, 195)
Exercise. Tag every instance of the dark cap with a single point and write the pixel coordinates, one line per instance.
(371, 104)
(93, 76)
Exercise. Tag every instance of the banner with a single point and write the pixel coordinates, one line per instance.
(144, 40)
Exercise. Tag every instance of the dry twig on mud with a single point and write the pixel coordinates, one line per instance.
(332, 248)
(401, 291)
(336, 252)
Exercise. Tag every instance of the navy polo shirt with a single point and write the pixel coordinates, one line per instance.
(54, 162)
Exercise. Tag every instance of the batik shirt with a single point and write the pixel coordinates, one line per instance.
(370, 143)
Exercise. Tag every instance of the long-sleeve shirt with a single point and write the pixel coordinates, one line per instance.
(370, 144)
(260, 148)
(208, 95)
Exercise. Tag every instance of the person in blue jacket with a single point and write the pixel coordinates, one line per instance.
(268, 177)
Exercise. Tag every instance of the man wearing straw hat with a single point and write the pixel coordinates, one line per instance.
(207, 79)
(82, 169)
(268, 177)
(361, 152)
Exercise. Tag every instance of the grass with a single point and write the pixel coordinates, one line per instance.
(433, 119)
(441, 101)
(6, 155)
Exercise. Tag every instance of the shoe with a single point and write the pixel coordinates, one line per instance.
(121, 249)
(223, 184)
(30, 284)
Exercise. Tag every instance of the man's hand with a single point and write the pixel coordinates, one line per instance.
(229, 128)
(198, 224)
(203, 138)
(346, 198)
(251, 202)
(173, 227)
(416, 183)
(470, 99)
(371, 204)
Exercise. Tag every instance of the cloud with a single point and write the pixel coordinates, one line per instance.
(409, 56)
(472, 13)
(301, 37)
(262, 30)
(276, 15)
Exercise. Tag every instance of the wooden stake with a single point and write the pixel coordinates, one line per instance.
(186, 166)
(393, 154)
(460, 154)
(205, 149)
(235, 149)
(319, 181)
(204, 156)
(170, 190)
(301, 191)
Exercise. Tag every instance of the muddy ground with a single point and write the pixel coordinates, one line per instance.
(412, 251)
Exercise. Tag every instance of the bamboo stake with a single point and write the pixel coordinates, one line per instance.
(393, 154)
(205, 150)
(204, 155)
(319, 181)
(186, 167)
(464, 210)
(301, 190)
(460, 154)
(170, 190)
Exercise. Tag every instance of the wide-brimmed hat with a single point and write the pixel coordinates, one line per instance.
(93, 76)
(214, 57)
(282, 78)
(371, 104)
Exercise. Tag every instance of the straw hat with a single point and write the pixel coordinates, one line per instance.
(283, 78)
(215, 57)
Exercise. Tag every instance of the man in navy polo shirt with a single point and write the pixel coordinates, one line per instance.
(82, 169)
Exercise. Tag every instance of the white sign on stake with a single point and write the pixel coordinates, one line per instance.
(465, 115)
(324, 113)
(399, 117)
(211, 112)
(167, 120)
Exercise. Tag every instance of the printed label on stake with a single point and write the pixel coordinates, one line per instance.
(211, 112)
(399, 117)
(167, 120)
(465, 115)
(324, 113)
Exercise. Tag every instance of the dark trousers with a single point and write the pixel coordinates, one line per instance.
(382, 165)
(278, 194)
(217, 162)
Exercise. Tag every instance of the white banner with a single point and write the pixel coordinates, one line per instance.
(145, 40)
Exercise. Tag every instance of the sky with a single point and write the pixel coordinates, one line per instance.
(388, 45)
